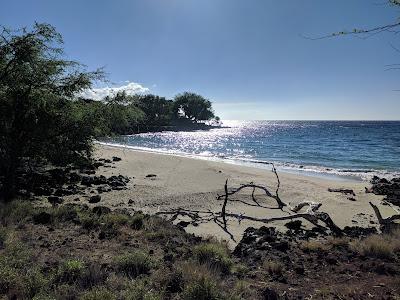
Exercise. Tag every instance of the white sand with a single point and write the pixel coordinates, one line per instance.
(194, 184)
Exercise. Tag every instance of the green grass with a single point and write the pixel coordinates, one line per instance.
(214, 254)
(134, 264)
(115, 219)
(139, 290)
(99, 293)
(202, 289)
(16, 212)
(18, 273)
(71, 271)
(137, 221)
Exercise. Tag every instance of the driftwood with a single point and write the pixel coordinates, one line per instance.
(343, 191)
(310, 210)
(387, 224)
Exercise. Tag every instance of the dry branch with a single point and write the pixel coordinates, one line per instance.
(310, 208)
(387, 224)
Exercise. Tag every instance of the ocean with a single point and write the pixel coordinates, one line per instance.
(351, 149)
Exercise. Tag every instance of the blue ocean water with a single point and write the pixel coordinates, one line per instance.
(352, 148)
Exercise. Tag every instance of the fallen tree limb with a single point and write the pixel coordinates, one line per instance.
(310, 214)
(387, 224)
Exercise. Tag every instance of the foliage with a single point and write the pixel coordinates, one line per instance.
(381, 246)
(157, 110)
(16, 212)
(193, 106)
(70, 271)
(138, 290)
(214, 254)
(38, 120)
(202, 289)
(99, 293)
(134, 264)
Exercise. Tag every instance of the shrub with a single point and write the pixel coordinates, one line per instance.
(214, 254)
(137, 221)
(17, 273)
(65, 213)
(202, 289)
(3, 236)
(242, 290)
(70, 271)
(240, 270)
(312, 246)
(138, 290)
(88, 220)
(273, 267)
(380, 246)
(15, 212)
(134, 264)
(99, 293)
(115, 219)
(66, 291)
(34, 282)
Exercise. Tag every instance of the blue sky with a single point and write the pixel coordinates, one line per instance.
(247, 56)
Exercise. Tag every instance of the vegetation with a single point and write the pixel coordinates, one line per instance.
(379, 246)
(216, 255)
(66, 259)
(134, 264)
(42, 118)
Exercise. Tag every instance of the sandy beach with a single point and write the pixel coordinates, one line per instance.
(194, 184)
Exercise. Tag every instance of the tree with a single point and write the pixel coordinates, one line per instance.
(193, 107)
(120, 113)
(158, 110)
(38, 120)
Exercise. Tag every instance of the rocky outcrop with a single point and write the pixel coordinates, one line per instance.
(390, 189)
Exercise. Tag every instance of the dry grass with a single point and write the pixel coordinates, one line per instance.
(380, 246)
(273, 267)
(314, 246)
(338, 242)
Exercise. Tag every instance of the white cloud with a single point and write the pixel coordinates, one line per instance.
(131, 88)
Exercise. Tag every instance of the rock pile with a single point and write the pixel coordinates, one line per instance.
(390, 189)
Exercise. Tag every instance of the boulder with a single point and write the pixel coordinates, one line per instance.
(95, 199)
(42, 218)
(101, 210)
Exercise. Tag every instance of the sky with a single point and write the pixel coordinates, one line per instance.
(249, 57)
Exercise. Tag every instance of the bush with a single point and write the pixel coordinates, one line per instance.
(380, 246)
(214, 254)
(115, 220)
(202, 289)
(70, 271)
(138, 290)
(134, 264)
(99, 293)
(312, 246)
(137, 221)
(18, 274)
(3, 236)
(89, 220)
(65, 213)
(273, 267)
(15, 212)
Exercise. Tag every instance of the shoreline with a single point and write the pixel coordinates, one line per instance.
(194, 184)
(302, 170)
